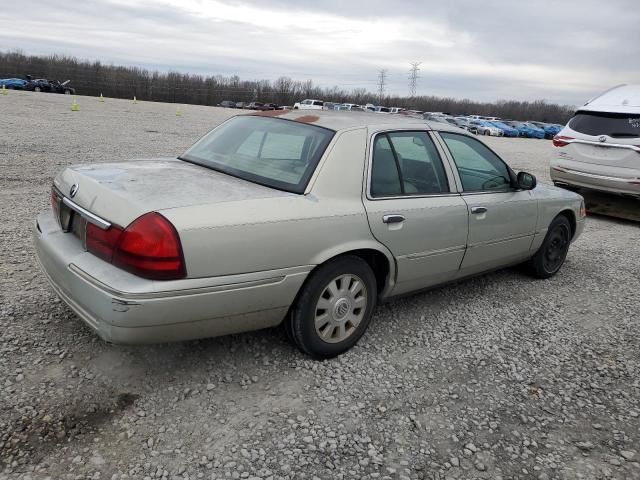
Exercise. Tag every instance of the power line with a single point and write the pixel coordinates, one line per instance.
(413, 78)
(382, 81)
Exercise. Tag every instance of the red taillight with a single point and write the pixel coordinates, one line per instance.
(561, 141)
(102, 243)
(150, 247)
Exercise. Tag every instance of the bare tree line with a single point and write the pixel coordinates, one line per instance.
(95, 78)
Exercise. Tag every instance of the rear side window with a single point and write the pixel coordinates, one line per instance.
(616, 125)
(406, 163)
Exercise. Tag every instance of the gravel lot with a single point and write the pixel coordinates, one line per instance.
(501, 376)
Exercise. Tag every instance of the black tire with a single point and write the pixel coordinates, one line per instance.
(286, 326)
(302, 317)
(37, 89)
(552, 253)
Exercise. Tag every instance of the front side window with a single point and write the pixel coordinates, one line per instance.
(479, 168)
(278, 153)
(406, 163)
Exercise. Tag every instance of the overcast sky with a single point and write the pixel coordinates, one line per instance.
(563, 50)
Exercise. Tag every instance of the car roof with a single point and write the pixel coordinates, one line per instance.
(619, 99)
(346, 119)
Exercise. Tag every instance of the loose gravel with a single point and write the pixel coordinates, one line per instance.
(501, 376)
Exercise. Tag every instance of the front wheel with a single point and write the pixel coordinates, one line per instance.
(553, 251)
(334, 307)
(37, 89)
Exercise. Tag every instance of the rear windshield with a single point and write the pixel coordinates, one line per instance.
(616, 125)
(274, 152)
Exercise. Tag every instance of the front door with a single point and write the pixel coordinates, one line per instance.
(414, 210)
(502, 219)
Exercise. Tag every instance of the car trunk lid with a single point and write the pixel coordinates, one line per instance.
(121, 192)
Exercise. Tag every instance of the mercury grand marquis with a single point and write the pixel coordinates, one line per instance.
(289, 217)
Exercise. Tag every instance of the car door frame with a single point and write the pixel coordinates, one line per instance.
(471, 247)
(454, 191)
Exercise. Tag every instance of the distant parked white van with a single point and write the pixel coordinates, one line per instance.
(309, 104)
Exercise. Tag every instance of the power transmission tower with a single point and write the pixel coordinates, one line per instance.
(413, 78)
(382, 81)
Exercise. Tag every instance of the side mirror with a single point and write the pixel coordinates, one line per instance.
(526, 181)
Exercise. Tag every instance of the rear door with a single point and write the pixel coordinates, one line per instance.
(414, 208)
(502, 220)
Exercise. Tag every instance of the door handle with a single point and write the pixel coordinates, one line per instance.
(393, 218)
(478, 209)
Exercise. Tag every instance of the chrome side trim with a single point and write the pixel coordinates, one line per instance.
(602, 144)
(433, 253)
(173, 293)
(500, 240)
(90, 217)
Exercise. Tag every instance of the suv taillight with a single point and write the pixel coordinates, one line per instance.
(149, 247)
(561, 141)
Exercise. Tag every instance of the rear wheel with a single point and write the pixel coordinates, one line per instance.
(552, 253)
(334, 307)
(36, 89)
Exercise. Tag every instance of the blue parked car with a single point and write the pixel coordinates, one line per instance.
(527, 129)
(507, 130)
(13, 83)
(550, 129)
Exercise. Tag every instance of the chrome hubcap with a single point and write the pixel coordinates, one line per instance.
(340, 308)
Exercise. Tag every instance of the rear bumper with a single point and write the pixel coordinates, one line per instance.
(125, 309)
(621, 180)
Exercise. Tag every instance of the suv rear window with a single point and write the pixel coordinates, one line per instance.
(616, 125)
(278, 153)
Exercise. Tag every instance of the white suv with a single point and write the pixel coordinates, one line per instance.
(600, 146)
(309, 104)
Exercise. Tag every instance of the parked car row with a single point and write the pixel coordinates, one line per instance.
(260, 106)
(38, 85)
(311, 104)
(477, 124)
(497, 127)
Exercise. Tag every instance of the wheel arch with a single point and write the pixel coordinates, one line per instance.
(571, 216)
(378, 257)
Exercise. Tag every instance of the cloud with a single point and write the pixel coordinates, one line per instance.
(560, 51)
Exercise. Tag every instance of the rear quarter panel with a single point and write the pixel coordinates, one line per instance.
(289, 231)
